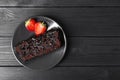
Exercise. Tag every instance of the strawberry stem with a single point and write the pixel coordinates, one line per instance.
(43, 23)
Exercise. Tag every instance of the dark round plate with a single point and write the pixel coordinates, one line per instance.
(43, 62)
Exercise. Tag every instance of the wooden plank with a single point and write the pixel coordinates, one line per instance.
(61, 73)
(58, 73)
(92, 52)
(75, 21)
(59, 3)
(81, 51)
(6, 55)
(114, 73)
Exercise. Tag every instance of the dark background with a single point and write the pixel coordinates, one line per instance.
(93, 33)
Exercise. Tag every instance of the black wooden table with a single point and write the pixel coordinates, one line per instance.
(93, 33)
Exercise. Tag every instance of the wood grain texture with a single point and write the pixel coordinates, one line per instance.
(59, 3)
(75, 21)
(59, 73)
(81, 51)
(92, 29)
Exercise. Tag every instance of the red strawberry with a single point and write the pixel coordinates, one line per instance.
(30, 25)
(40, 28)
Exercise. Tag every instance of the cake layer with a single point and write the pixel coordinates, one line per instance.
(38, 45)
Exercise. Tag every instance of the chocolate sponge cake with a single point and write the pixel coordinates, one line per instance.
(38, 45)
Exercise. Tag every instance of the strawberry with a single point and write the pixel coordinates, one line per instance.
(30, 24)
(40, 28)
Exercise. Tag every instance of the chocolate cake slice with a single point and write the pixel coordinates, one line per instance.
(38, 45)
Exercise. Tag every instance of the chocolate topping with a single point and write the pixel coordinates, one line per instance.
(40, 45)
